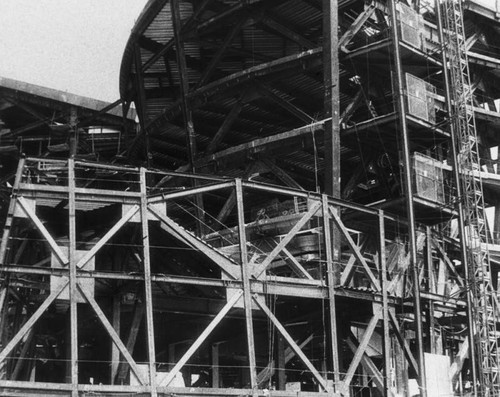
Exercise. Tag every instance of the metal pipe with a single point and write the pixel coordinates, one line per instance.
(461, 219)
(400, 104)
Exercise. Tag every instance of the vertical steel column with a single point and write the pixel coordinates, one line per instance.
(460, 207)
(10, 212)
(331, 97)
(73, 293)
(401, 111)
(385, 304)
(148, 293)
(430, 304)
(331, 280)
(4, 295)
(73, 138)
(331, 105)
(245, 275)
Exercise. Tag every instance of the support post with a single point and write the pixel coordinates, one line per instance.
(4, 286)
(148, 293)
(408, 187)
(331, 97)
(73, 293)
(331, 260)
(245, 275)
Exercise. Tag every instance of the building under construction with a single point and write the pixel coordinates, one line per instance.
(309, 206)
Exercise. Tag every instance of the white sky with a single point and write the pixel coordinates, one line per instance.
(69, 45)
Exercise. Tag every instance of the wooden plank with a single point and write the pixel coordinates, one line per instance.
(245, 275)
(203, 336)
(259, 269)
(45, 233)
(112, 333)
(298, 351)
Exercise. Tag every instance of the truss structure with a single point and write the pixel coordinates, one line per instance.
(307, 217)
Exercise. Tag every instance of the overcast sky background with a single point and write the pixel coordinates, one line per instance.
(69, 45)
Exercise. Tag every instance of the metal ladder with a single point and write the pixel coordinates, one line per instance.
(485, 310)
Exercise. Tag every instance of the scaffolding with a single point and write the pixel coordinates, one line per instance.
(300, 213)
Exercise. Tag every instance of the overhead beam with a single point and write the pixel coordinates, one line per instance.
(203, 94)
(298, 113)
(281, 174)
(225, 127)
(214, 62)
(356, 26)
(169, 45)
(286, 31)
